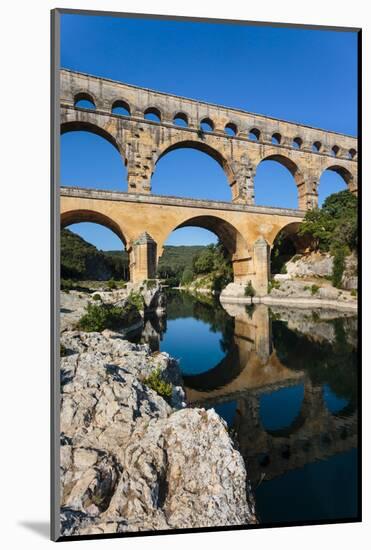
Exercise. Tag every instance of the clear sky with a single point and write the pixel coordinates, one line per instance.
(298, 75)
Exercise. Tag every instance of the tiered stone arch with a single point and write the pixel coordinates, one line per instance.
(78, 216)
(189, 142)
(305, 192)
(232, 239)
(70, 217)
(349, 177)
(304, 150)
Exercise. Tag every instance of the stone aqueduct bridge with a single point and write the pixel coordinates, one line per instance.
(144, 221)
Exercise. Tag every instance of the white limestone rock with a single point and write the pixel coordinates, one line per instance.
(130, 460)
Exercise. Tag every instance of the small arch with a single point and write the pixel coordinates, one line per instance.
(207, 125)
(335, 150)
(352, 153)
(297, 143)
(254, 134)
(152, 113)
(83, 100)
(276, 138)
(316, 147)
(231, 129)
(120, 107)
(181, 119)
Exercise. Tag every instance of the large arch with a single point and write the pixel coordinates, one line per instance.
(97, 148)
(229, 236)
(72, 217)
(190, 173)
(342, 171)
(77, 216)
(93, 128)
(346, 180)
(225, 231)
(293, 169)
(286, 244)
(204, 148)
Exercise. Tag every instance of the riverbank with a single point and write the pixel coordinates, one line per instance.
(133, 456)
(302, 303)
(307, 293)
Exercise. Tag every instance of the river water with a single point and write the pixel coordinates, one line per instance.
(285, 381)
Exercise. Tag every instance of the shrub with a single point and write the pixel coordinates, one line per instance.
(353, 292)
(97, 297)
(67, 285)
(156, 382)
(283, 270)
(111, 285)
(63, 350)
(338, 266)
(136, 300)
(151, 283)
(121, 284)
(101, 316)
(314, 289)
(249, 290)
(187, 277)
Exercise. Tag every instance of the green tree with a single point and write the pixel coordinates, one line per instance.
(187, 276)
(204, 261)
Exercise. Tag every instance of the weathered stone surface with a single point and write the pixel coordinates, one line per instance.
(312, 265)
(350, 276)
(132, 461)
(73, 303)
(144, 222)
(297, 288)
(142, 142)
(319, 264)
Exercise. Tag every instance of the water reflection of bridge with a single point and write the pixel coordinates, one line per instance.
(314, 434)
(252, 368)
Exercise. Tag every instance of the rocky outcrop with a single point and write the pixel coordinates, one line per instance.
(73, 303)
(154, 299)
(133, 461)
(350, 275)
(315, 264)
(319, 264)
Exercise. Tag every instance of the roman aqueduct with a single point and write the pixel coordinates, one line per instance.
(236, 139)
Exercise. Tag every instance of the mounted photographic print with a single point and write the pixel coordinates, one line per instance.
(205, 279)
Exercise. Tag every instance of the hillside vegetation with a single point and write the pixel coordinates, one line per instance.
(199, 267)
(81, 260)
(334, 228)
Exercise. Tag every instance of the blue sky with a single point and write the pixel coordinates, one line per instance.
(298, 75)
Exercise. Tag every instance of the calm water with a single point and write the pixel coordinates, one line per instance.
(285, 381)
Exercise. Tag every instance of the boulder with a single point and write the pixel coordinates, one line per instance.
(133, 461)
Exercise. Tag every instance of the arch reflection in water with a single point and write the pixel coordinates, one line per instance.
(285, 381)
